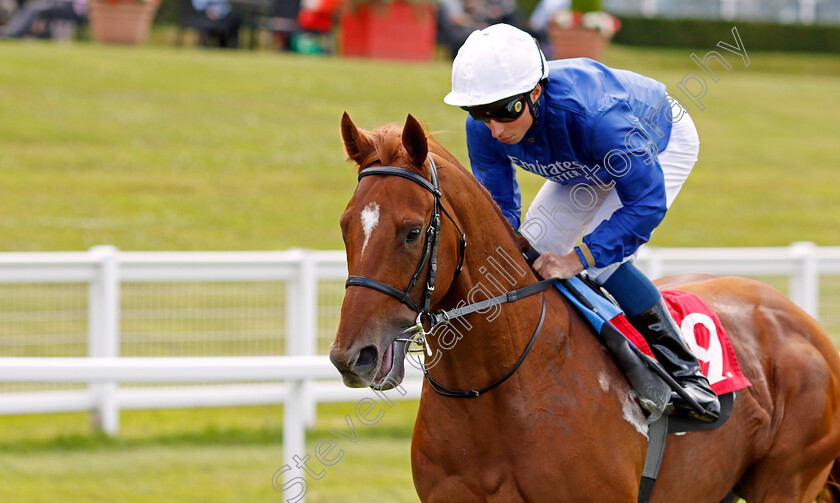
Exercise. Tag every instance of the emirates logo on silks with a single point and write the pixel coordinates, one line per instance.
(517, 107)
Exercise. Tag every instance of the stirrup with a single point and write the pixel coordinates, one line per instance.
(710, 406)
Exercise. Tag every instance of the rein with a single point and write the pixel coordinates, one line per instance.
(444, 391)
(430, 247)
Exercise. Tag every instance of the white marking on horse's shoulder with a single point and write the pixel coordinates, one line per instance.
(370, 219)
(604, 381)
(633, 413)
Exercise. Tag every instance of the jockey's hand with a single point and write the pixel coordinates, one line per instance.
(550, 265)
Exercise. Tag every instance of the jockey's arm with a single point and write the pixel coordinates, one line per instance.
(640, 186)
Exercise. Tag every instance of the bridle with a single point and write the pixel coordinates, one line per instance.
(430, 244)
(429, 256)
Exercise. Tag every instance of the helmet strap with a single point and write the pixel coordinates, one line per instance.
(534, 107)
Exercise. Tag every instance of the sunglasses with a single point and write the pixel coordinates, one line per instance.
(508, 110)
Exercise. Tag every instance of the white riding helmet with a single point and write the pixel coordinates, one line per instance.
(497, 62)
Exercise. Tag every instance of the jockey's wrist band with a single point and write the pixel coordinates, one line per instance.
(585, 255)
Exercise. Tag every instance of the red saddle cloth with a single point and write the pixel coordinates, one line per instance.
(705, 336)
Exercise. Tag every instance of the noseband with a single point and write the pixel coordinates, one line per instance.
(430, 245)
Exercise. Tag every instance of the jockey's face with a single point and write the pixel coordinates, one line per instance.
(513, 132)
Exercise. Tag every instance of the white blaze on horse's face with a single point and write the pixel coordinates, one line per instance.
(370, 219)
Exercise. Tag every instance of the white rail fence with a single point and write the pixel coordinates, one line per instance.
(780, 11)
(122, 345)
(104, 270)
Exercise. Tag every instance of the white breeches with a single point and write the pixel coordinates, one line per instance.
(554, 224)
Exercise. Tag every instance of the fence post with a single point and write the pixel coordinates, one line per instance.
(805, 279)
(294, 432)
(301, 328)
(104, 335)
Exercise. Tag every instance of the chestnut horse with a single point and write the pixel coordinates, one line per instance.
(565, 426)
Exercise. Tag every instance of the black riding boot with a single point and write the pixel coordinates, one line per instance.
(662, 335)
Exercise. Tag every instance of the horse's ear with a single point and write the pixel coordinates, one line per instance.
(356, 141)
(414, 141)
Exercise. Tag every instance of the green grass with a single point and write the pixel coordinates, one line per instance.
(225, 455)
(157, 148)
(202, 474)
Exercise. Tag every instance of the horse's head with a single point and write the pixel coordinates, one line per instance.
(386, 230)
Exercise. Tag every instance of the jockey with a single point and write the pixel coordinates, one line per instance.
(615, 150)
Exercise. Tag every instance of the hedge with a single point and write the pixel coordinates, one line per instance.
(706, 33)
(666, 32)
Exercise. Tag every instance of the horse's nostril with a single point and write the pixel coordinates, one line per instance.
(366, 359)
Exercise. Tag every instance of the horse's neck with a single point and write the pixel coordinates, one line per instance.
(480, 348)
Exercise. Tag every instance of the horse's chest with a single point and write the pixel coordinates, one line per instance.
(485, 468)
(543, 456)
(530, 479)
(480, 483)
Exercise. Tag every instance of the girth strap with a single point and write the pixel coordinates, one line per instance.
(657, 437)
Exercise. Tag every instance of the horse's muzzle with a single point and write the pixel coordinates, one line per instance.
(356, 367)
(370, 365)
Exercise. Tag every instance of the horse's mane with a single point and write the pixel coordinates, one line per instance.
(437, 149)
(387, 146)
(388, 150)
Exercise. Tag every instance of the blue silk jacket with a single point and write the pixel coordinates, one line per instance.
(596, 126)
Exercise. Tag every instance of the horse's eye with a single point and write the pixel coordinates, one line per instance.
(413, 235)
